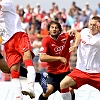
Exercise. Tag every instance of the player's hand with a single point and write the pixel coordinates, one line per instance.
(71, 32)
(63, 60)
(73, 48)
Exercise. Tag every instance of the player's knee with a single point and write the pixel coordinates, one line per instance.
(64, 84)
(48, 92)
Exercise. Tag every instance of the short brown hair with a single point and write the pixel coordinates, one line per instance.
(55, 22)
(96, 18)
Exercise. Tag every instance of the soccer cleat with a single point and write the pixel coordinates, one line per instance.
(30, 93)
(43, 81)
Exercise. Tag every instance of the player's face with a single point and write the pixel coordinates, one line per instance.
(93, 27)
(54, 30)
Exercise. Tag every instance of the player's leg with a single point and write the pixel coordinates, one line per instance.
(25, 49)
(23, 73)
(64, 86)
(48, 86)
(3, 65)
(70, 80)
(43, 81)
(58, 79)
(27, 59)
(17, 87)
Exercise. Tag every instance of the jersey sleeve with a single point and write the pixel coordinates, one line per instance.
(44, 47)
(70, 37)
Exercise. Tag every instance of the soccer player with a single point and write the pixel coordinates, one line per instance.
(17, 47)
(87, 69)
(55, 51)
(23, 71)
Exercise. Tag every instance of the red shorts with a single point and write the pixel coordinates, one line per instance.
(82, 78)
(15, 48)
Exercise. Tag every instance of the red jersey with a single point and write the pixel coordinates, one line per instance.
(58, 47)
(28, 17)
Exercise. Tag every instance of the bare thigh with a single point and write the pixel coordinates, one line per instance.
(67, 82)
(15, 67)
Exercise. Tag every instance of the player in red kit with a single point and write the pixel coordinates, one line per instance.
(55, 51)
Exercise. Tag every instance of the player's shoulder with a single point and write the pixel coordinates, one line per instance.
(85, 30)
(64, 34)
(46, 38)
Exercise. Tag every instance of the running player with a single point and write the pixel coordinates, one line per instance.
(17, 47)
(55, 51)
(87, 69)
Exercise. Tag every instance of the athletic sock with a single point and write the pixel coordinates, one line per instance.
(66, 95)
(17, 88)
(31, 77)
(31, 73)
(42, 98)
(16, 84)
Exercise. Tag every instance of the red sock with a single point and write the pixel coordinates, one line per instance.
(28, 62)
(15, 74)
(64, 90)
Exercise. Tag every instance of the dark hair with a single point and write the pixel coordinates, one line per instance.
(96, 18)
(54, 22)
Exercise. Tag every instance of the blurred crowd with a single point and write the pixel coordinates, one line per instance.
(34, 21)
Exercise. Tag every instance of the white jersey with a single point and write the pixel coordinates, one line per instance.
(88, 53)
(9, 20)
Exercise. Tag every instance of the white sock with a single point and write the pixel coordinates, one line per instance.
(66, 96)
(31, 77)
(17, 87)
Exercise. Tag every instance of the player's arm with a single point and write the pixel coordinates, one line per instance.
(77, 39)
(48, 58)
(44, 57)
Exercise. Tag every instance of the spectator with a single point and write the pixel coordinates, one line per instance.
(36, 22)
(87, 9)
(36, 45)
(77, 25)
(95, 13)
(28, 15)
(64, 15)
(73, 8)
(70, 18)
(98, 9)
(84, 18)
